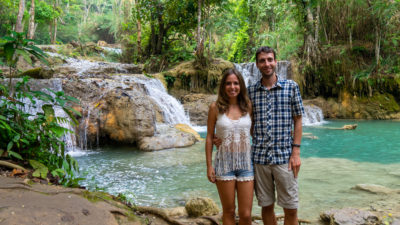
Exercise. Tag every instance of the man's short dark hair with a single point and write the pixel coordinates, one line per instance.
(265, 49)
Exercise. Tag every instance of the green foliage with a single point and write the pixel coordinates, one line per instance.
(37, 138)
(8, 15)
(170, 80)
(239, 48)
(40, 169)
(15, 46)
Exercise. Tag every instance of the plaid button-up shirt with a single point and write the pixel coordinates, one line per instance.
(273, 112)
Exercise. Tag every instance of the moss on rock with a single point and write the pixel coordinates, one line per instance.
(188, 77)
(201, 206)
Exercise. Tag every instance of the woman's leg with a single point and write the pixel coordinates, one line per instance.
(226, 190)
(245, 201)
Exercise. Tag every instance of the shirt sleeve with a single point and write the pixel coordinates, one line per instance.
(297, 102)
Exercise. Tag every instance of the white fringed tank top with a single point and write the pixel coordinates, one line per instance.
(235, 151)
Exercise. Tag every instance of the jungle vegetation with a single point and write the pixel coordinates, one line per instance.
(353, 44)
(337, 46)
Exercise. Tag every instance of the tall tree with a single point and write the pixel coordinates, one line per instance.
(139, 28)
(18, 26)
(53, 25)
(32, 24)
(200, 37)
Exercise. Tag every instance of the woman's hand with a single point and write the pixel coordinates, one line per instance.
(217, 141)
(211, 174)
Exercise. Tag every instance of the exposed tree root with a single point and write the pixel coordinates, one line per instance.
(158, 212)
(212, 219)
(281, 217)
(12, 165)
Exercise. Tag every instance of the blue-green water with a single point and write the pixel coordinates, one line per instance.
(371, 141)
(333, 162)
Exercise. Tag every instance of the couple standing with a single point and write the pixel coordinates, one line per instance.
(267, 111)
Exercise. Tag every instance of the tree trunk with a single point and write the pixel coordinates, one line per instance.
(199, 47)
(139, 29)
(161, 32)
(53, 37)
(309, 40)
(317, 23)
(18, 25)
(153, 38)
(200, 59)
(377, 44)
(250, 31)
(32, 26)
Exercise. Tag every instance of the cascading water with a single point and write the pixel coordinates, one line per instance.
(55, 85)
(313, 116)
(117, 51)
(172, 109)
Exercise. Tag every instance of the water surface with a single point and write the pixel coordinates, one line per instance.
(333, 162)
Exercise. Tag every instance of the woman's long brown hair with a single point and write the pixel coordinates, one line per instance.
(223, 99)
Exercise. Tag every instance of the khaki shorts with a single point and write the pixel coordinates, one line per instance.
(267, 177)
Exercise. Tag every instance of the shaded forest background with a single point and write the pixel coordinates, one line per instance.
(337, 45)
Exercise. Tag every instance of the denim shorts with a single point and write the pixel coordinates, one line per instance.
(238, 175)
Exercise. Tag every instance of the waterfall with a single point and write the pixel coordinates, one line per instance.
(117, 51)
(55, 85)
(313, 116)
(172, 109)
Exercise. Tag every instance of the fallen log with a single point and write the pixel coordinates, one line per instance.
(12, 165)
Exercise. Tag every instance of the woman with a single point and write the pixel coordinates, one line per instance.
(233, 172)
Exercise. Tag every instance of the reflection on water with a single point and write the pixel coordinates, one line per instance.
(331, 165)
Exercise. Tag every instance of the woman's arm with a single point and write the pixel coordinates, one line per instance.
(212, 118)
(252, 119)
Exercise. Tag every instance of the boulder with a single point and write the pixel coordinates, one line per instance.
(186, 128)
(167, 137)
(350, 127)
(75, 44)
(197, 105)
(201, 206)
(375, 189)
(125, 116)
(102, 43)
(39, 73)
(349, 216)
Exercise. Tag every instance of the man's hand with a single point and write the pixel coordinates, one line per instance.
(217, 142)
(294, 162)
(211, 174)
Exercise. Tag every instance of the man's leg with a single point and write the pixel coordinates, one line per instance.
(287, 190)
(268, 215)
(265, 192)
(290, 217)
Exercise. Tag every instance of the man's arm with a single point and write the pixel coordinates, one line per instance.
(294, 161)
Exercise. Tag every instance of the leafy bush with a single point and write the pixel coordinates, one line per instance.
(34, 138)
(24, 136)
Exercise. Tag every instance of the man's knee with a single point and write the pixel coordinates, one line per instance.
(290, 212)
(269, 208)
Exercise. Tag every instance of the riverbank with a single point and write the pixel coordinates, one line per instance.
(24, 201)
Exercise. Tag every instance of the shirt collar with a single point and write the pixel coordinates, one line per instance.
(279, 83)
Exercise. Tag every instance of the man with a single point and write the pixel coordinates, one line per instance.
(277, 107)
